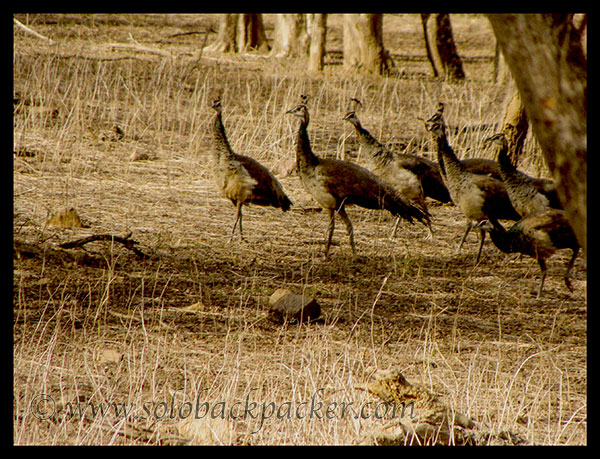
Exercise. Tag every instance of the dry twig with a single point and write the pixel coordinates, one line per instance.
(126, 241)
(33, 32)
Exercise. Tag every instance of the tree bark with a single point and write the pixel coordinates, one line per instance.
(363, 44)
(440, 46)
(515, 123)
(239, 33)
(546, 58)
(317, 27)
(251, 33)
(291, 36)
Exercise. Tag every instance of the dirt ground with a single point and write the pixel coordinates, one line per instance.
(103, 327)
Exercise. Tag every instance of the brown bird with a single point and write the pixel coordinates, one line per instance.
(242, 179)
(527, 194)
(479, 197)
(538, 235)
(384, 162)
(391, 168)
(474, 165)
(335, 183)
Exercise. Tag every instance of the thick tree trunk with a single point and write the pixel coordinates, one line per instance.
(440, 46)
(251, 33)
(225, 41)
(291, 36)
(363, 44)
(515, 123)
(317, 27)
(239, 33)
(549, 66)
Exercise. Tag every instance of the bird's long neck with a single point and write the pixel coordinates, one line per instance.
(449, 163)
(305, 158)
(371, 145)
(505, 241)
(505, 164)
(222, 149)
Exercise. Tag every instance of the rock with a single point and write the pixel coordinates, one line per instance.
(287, 305)
(139, 156)
(285, 167)
(428, 421)
(65, 219)
(207, 431)
(105, 356)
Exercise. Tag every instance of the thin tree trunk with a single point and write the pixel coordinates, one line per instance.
(318, 35)
(440, 46)
(515, 123)
(431, 56)
(500, 73)
(547, 61)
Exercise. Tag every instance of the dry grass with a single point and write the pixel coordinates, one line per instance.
(190, 323)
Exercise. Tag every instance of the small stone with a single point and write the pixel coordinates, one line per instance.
(109, 356)
(287, 305)
(139, 156)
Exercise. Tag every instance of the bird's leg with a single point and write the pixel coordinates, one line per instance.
(429, 236)
(330, 229)
(482, 239)
(569, 267)
(542, 264)
(462, 241)
(349, 229)
(238, 218)
(395, 228)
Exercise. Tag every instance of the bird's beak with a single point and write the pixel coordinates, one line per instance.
(487, 141)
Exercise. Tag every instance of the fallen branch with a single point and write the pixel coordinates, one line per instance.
(135, 46)
(126, 241)
(33, 32)
(24, 250)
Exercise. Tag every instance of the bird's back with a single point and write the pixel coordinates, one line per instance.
(482, 166)
(428, 173)
(353, 184)
(267, 191)
(549, 229)
(497, 203)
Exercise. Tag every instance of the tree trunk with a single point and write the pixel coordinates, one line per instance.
(500, 73)
(317, 27)
(547, 61)
(291, 36)
(239, 33)
(428, 35)
(440, 46)
(515, 123)
(225, 42)
(251, 33)
(363, 44)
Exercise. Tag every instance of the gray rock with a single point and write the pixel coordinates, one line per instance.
(287, 305)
